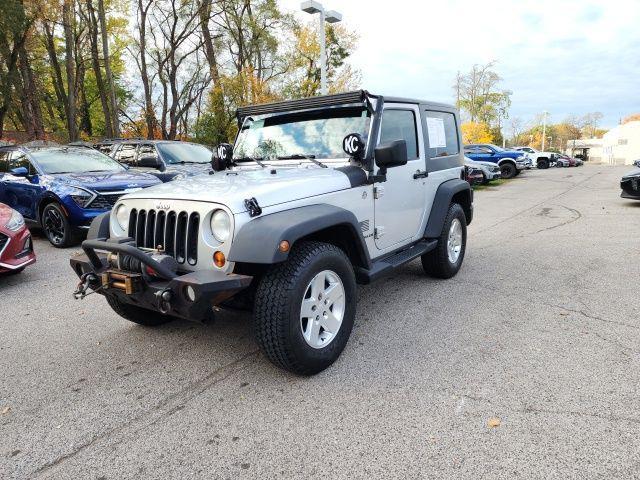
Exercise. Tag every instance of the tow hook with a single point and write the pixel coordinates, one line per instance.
(85, 284)
(164, 300)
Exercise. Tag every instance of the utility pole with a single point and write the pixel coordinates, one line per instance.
(544, 127)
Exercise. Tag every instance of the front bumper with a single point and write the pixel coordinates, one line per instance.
(630, 188)
(17, 252)
(164, 292)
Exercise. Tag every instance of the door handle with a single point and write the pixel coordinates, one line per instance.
(420, 174)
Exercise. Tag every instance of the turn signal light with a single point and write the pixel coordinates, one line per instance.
(218, 259)
(284, 246)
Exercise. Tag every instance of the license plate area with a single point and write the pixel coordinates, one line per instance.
(127, 282)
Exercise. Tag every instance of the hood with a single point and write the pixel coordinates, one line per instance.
(512, 153)
(108, 182)
(233, 187)
(474, 163)
(633, 173)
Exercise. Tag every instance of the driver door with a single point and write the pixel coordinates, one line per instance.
(400, 201)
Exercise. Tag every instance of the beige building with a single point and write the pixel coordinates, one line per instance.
(619, 146)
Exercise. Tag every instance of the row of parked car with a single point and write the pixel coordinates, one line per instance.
(486, 162)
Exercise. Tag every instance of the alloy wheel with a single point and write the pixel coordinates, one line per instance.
(454, 241)
(322, 309)
(53, 224)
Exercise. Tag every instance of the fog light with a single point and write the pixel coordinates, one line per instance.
(218, 259)
(190, 293)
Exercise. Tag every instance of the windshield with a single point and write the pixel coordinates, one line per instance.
(184, 153)
(74, 160)
(317, 134)
(498, 149)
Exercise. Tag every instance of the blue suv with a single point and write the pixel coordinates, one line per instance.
(62, 189)
(511, 162)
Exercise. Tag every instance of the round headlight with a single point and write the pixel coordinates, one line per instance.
(122, 216)
(220, 225)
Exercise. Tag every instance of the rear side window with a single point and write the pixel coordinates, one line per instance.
(126, 154)
(400, 125)
(442, 133)
(147, 151)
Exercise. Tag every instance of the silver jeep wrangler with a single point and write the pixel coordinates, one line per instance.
(316, 196)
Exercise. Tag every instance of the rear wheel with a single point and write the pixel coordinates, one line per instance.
(446, 259)
(57, 228)
(305, 308)
(543, 163)
(508, 170)
(138, 315)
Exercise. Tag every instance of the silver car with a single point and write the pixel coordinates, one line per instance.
(490, 171)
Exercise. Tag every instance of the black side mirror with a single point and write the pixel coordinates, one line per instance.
(392, 154)
(221, 158)
(149, 162)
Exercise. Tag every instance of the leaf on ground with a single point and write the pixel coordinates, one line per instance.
(564, 314)
(5, 410)
(493, 422)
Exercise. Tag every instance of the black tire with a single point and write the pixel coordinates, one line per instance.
(56, 227)
(277, 309)
(543, 164)
(436, 263)
(138, 315)
(485, 180)
(508, 170)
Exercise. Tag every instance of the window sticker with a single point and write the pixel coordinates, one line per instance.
(437, 137)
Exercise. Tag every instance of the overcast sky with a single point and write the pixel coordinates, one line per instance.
(564, 56)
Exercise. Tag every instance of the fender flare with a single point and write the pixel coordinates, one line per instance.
(508, 159)
(258, 240)
(99, 227)
(441, 202)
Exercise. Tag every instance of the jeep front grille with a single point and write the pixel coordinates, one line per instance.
(174, 232)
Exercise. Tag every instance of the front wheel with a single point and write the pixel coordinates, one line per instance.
(57, 228)
(446, 259)
(508, 170)
(305, 307)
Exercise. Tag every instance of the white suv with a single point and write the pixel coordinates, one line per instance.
(316, 196)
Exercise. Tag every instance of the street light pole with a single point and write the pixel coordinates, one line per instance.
(330, 16)
(544, 127)
(323, 55)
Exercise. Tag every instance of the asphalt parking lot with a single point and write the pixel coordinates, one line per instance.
(538, 335)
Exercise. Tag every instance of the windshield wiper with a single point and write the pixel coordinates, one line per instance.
(251, 159)
(182, 162)
(301, 156)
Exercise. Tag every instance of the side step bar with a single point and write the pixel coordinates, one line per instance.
(386, 265)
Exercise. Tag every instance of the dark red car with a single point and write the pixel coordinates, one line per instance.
(16, 245)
